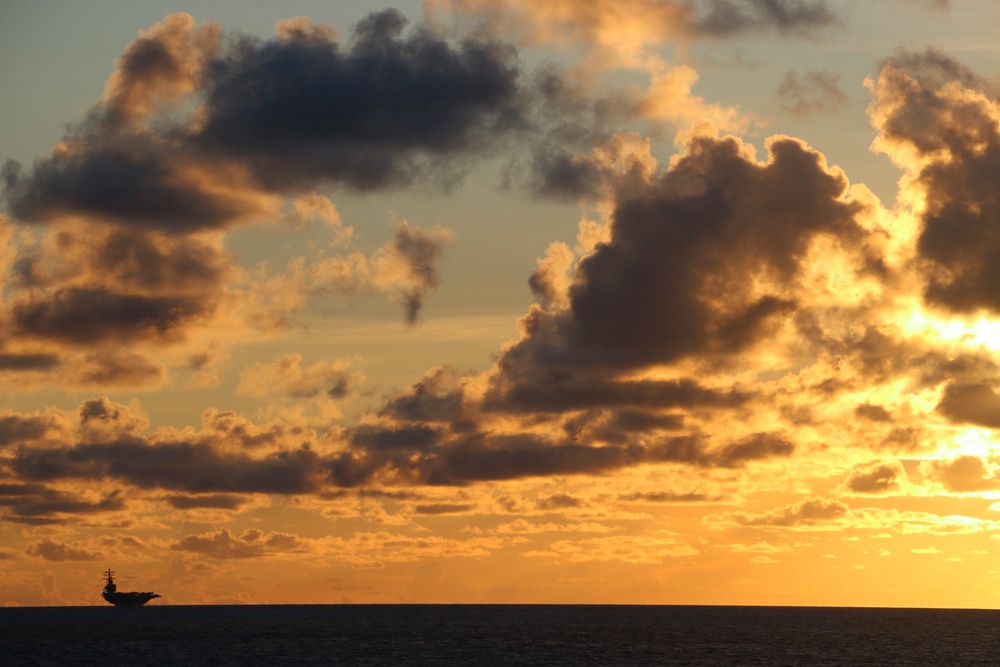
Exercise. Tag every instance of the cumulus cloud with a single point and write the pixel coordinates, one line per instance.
(875, 477)
(273, 119)
(941, 122)
(706, 261)
(197, 133)
(726, 317)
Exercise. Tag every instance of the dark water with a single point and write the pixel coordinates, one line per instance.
(497, 635)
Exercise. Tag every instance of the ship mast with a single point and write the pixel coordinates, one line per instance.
(110, 586)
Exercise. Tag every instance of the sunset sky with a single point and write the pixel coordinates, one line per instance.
(644, 301)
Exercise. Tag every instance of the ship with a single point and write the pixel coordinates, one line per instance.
(128, 599)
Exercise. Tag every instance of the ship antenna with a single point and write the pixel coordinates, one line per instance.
(110, 574)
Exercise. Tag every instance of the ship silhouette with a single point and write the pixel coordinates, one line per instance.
(128, 599)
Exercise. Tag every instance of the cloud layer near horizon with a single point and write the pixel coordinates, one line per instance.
(723, 314)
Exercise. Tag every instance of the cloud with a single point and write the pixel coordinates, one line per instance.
(252, 543)
(645, 297)
(558, 501)
(963, 474)
(223, 501)
(161, 65)
(414, 99)
(875, 413)
(815, 92)
(941, 122)
(37, 505)
(112, 443)
(875, 477)
(196, 134)
(50, 550)
(84, 316)
(286, 376)
(525, 527)
(15, 428)
(633, 22)
(971, 404)
(809, 512)
(407, 265)
(435, 509)
(666, 497)
(635, 549)
(794, 17)
(272, 119)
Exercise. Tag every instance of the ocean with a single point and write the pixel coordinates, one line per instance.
(481, 635)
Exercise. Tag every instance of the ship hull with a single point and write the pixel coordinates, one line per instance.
(129, 599)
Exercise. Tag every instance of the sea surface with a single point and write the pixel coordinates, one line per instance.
(480, 635)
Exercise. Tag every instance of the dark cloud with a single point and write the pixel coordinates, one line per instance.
(137, 193)
(158, 263)
(963, 474)
(942, 121)
(232, 427)
(971, 404)
(559, 391)
(874, 477)
(437, 397)
(814, 92)
(624, 424)
(48, 549)
(560, 174)
(666, 497)
(673, 279)
(20, 428)
(519, 456)
(134, 184)
(498, 457)
(35, 504)
(558, 501)
(871, 412)
(936, 68)
(252, 543)
(110, 368)
(414, 437)
(411, 257)
(378, 113)
(85, 316)
(28, 362)
(193, 467)
(443, 508)
(660, 20)
(159, 66)
(804, 512)
(390, 107)
(755, 447)
(719, 18)
(220, 501)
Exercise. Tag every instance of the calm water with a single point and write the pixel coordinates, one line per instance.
(497, 635)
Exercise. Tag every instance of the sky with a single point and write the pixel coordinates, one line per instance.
(501, 301)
